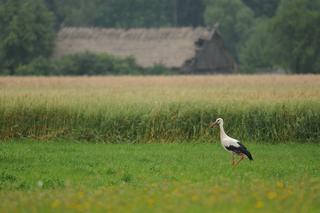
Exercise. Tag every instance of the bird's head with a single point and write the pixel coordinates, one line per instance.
(219, 122)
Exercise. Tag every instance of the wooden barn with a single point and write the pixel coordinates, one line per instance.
(186, 49)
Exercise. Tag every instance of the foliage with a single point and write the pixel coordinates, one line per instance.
(92, 64)
(136, 13)
(168, 122)
(235, 21)
(88, 64)
(69, 176)
(189, 13)
(39, 66)
(26, 32)
(139, 13)
(297, 35)
(266, 8)
(158, 69)
(257, 53)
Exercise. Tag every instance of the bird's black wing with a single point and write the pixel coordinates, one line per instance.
(233, 149)
(240, 149)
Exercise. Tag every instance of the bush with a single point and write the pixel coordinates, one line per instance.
(157, 69)
(39, 66)
(88, 64)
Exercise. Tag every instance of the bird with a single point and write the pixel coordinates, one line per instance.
(230, 144)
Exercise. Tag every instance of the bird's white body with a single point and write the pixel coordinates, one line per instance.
(225, 140)
(230, 144)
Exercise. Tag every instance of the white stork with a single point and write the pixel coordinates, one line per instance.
(230, 144)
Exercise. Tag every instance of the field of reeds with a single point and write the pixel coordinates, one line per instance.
(276, 108)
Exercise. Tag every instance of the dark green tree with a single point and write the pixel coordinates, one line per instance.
(266, 8)
(188, 12)
(257, 53)
(135, 13)
(235, 21)
(127, 13)
(26, 32)
(297, 32)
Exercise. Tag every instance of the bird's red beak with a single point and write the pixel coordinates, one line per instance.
(213, 124)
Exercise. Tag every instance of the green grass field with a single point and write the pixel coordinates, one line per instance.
(180, 177)
(142, 144)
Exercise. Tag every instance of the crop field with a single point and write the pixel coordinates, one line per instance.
(142, 109)
(142, 144)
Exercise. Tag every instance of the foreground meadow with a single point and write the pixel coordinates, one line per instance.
(85, 177)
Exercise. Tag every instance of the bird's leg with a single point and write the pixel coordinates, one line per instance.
(241, 158)
(232, 163)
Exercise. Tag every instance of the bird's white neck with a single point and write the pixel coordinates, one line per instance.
(222, 133)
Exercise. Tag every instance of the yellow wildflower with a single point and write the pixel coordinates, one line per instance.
(259, 204)
(272, 195)
(280, 184)
(150, 201)
(80, 194)
(194, 198)
(56, 204)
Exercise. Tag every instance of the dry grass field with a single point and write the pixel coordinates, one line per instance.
(203, 89)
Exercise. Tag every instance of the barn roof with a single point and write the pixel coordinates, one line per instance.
(170, 47)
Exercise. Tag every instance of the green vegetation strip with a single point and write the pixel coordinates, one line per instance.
(188, 177)
(144, 123)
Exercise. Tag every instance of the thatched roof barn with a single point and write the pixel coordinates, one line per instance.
(186, 49)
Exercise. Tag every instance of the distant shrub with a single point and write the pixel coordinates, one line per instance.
(157, 69)
(39, 66)
(4, 71)
(88, 64)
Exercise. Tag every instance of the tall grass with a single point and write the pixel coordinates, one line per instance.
(144, 109)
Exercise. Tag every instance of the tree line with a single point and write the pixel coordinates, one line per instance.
(262, 35)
